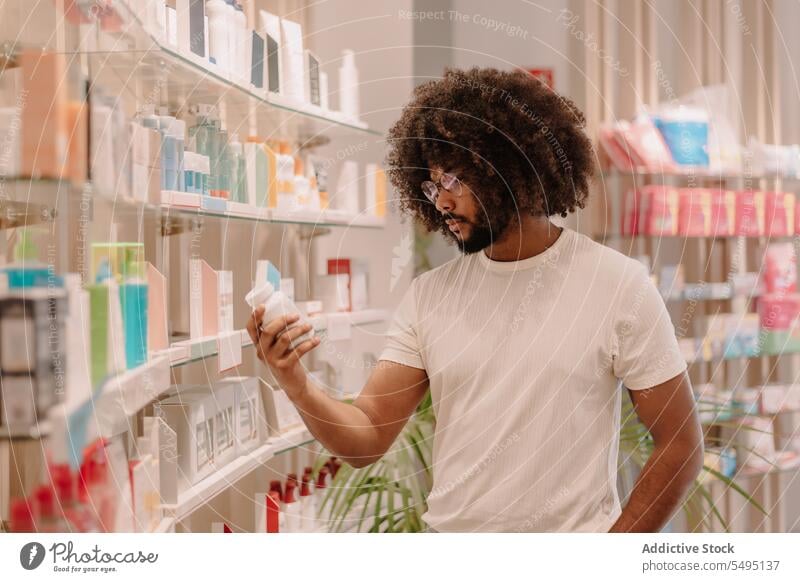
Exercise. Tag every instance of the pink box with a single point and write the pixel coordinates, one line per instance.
(778, 312)
(662, 210)
(779, 214)
(617, 153)
(749, 213)
(723, 212)
(780, 268)
(631, 212)
(694, 212)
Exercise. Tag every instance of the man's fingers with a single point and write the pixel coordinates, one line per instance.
(294, 355)
(279, 324)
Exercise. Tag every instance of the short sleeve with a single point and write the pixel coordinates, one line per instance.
(402, 340)
(646, 351)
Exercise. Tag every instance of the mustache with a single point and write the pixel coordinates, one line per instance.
(451, 216)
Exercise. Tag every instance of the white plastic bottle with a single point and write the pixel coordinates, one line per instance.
(230, 20)
(292, 508)
(241, 39)
(217, 12)
(308, 502)
(276, 304)
(348, 85)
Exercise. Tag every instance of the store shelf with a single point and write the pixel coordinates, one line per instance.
(689, 173)
(127, 393)
(166, 525)
(180, 78)
(38, 431)
(185, 352)
(245, 212)
(225, 477)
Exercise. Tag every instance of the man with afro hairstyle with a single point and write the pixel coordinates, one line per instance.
(525, 341)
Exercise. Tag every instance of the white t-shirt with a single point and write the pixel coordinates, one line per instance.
(525, 360)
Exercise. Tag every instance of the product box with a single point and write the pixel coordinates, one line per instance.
(662, 210)
(723, 213)
(694, 212)
(632, 212)
(192, 417)
(647, 146)
(741, 335)
(617, 153)
(749, 213)
(778, 315)
(250, 421)
(780, 271)
(281, 415)
(310, 308)
(779, 210)
(334, 292)
(32, 353)
(44, 123)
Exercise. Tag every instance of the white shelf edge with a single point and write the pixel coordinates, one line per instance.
(202, 492)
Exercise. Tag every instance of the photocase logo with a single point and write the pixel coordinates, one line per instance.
(31, 555)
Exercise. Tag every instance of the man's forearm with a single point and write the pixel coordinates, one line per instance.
(660, 489)
(342, 428)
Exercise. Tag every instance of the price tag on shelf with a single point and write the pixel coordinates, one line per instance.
(339, 327)
(229, 348)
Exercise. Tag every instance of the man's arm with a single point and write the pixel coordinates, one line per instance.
(361, 432)
(668, 412)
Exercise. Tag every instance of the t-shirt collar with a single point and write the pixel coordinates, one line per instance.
(549, 254)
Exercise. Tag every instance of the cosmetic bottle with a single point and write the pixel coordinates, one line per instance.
(223, 167)
(21, 512)
(133, 299)
(276, 489)
(276, 304)
(308, 505)
(292, 508)
(302, 186)
(48, 520)
(218, 33)
(273, 512)
(348, 86)
(174, 146)
(319, 495)
(64, 485)
(26, 270)
(241, 38)
(238, 170)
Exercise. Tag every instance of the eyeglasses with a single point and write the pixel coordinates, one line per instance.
(448, 181)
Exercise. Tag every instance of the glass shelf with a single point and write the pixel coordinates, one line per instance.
(142, 64)
(697, 173)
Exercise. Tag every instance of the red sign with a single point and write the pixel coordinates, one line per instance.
(545, 75)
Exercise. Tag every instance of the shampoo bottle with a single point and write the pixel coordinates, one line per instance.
(218, 32)
(133, 298)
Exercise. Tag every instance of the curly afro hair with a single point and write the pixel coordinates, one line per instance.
(518, 145)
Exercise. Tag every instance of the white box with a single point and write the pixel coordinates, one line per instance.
(281, 415)
(250, 421)
(191, 416)
(334, 292)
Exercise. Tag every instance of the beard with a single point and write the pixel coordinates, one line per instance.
(482, 234)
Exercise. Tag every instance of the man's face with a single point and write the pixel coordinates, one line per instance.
(464, 215)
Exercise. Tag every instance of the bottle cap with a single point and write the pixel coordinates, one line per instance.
(305, 487)
(275, 487)
(63, 483)
(292, 477)
(322, 477)
(44, 497)
(259, 295)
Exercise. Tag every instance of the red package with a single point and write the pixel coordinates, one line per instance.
(723, 212)
(694, 212)
(749, 213)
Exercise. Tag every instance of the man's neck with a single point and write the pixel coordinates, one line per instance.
(523, 239)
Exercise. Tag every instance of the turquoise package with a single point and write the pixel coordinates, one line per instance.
(685, 131)
(133, 299)
(27, 270)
